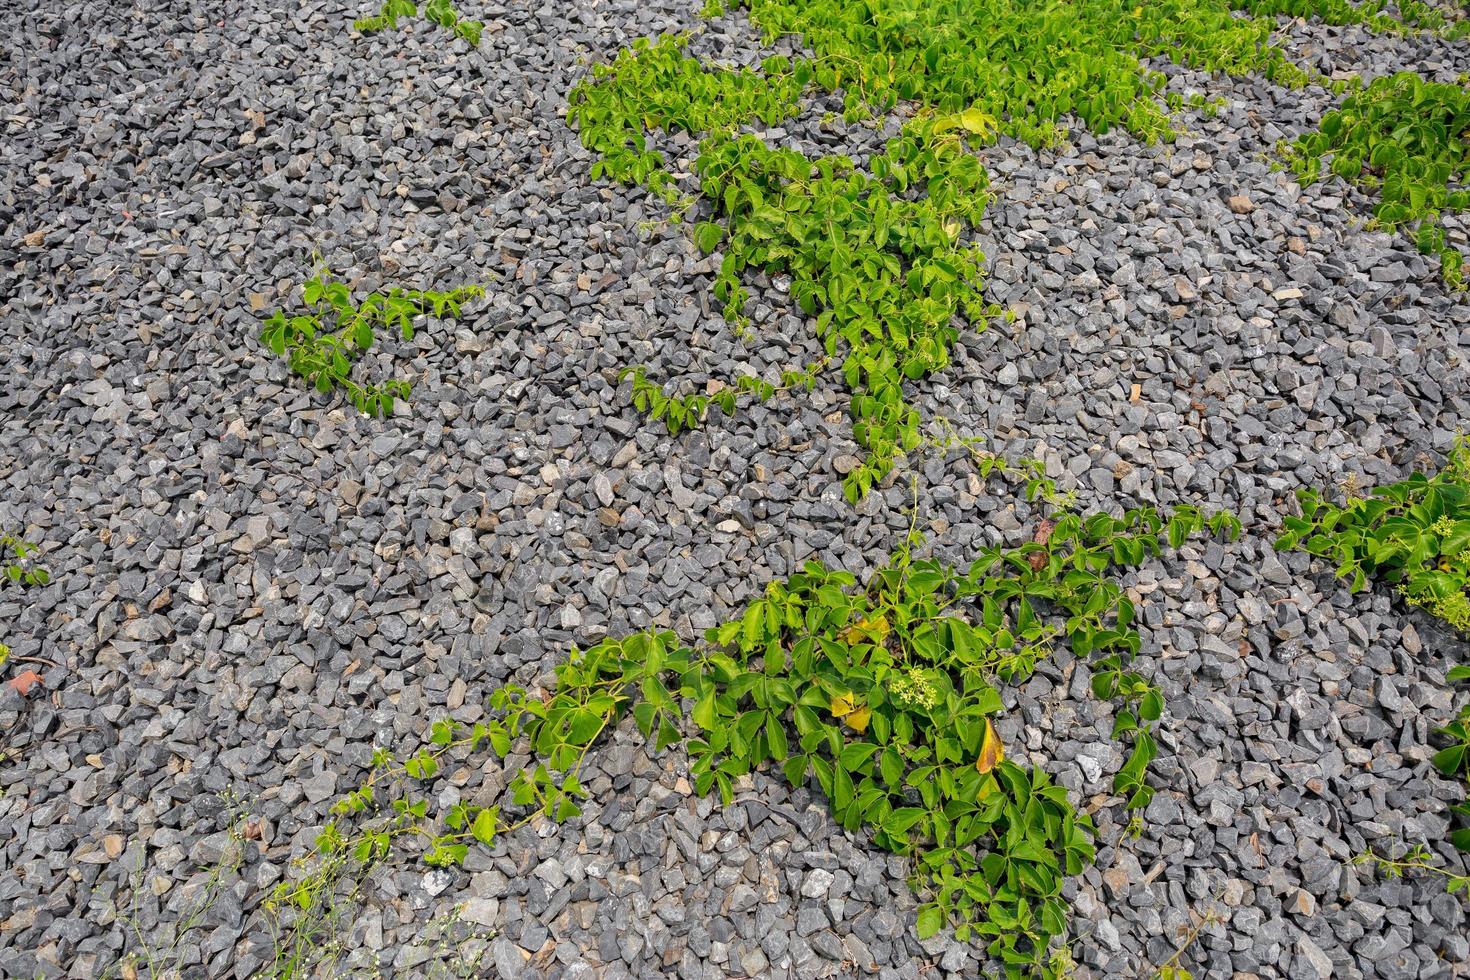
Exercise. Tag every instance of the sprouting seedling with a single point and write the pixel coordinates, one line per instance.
(321, 344)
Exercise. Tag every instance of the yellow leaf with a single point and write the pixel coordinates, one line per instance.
(991, 751)
(977, 121)
(873, 629)
(841, 705)
(857, 720)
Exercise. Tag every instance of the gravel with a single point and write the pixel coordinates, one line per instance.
(252, 586)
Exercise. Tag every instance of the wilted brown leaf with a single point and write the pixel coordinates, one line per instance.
(1042, 536)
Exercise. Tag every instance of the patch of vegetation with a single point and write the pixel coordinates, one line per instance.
(876, 255)
(17, 566)
(1405, 138)
(1414, 534)
(321, 344)
(681, 412)
(441, 12)
(1023, 63)
(883, 693)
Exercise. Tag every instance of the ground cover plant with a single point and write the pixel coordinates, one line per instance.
(877, 255)
(321, 343)
(417, 574)
(1415, 535)
(1403, 137)
(883, 693)
(883, 275)
(682, 412)
(441, 12)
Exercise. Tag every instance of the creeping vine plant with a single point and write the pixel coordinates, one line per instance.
(441, 12)
(688, 411)
(1404, 137)
(1416, 535)
(882, 693)
(876, 253)
(321, 344)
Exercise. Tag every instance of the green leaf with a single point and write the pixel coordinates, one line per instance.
(704, 711)
(931, 920)
(1151, 708)
(707, 235)
(776, 737)
(1451, 760)
(485, 825)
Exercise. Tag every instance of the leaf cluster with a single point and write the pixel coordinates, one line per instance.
(321, 344)
(1405, 137)
(683, 412)
(441, 12)
(883, 693)
(1415, 534)
(17, 567)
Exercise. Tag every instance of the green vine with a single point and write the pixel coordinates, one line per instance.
(321, 344)
(441, 12)
(1417, 858)
(1404, 137)
(883, 693)
(683, 412)
(1415, 534)
(877, 255)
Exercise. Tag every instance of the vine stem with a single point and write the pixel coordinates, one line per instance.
(1209, 918)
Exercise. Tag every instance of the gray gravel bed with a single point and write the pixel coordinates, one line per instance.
(252, 586)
